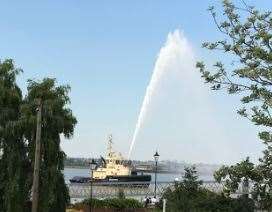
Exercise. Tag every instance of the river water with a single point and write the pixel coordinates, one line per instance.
(161, 177)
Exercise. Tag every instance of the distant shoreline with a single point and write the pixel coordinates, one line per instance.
(76, 167)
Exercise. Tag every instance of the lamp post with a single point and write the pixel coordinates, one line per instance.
(92, 167)
(156, 157)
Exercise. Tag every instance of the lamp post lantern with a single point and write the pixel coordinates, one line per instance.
(156, 158)
(92, 167)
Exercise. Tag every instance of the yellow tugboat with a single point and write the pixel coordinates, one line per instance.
(114, 169)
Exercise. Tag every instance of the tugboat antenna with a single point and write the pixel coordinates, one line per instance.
(110, 144)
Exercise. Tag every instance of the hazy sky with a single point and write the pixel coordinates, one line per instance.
(106, 51)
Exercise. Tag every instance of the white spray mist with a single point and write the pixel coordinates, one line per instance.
(175, 48)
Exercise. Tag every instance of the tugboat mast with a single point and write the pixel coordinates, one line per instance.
(114, 169)
(109, 148)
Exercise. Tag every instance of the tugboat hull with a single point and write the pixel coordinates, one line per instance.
(112, 171)
(128, 180)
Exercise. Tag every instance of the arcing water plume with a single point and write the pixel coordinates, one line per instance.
(173, 55)
(183, 119)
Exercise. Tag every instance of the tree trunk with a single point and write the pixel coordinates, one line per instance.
(35, 188)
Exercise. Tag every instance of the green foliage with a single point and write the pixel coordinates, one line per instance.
(13, 161)
(118, 203)
(190, 180)
(240, 174)
(247, 40)
(123, 203)
(263, 189)
(188, 195)
(254, 179)
(17, 141)
(57, 119)
(247, 34)
(222, 203)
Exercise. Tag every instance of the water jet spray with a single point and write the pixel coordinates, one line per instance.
(175, 50)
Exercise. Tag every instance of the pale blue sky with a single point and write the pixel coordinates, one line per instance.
(106, 51)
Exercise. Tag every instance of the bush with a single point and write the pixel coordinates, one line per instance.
(226, 204)
(118, 203)
(204, 200)
(188, 195)
(123, 203)
(95, 203)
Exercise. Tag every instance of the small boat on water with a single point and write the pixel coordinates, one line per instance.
(114, 170)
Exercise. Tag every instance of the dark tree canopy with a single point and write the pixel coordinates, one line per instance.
(13, 160)
(17, 141)
(253, 179)
(191, 195)
(247, 39)
(57, 119)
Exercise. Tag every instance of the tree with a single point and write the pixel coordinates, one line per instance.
(237, 175)
(248, 41)
(57, 119)
(13, 160)
(262, 191)
(183, 196)
(255, 178)
(189, 195)
(17, 141)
